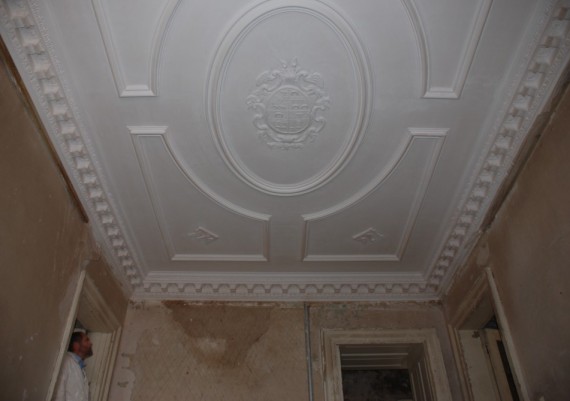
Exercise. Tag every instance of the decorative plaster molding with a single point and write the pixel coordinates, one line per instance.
(466, 58)
(149, 88)
(288, 105)
(138, 134)
(231, 257)
(535, 80)
(25, 35)
(287, 287)
(203, 235)
(367, 236)
(421, 41)
(413, 135)
(224, 54)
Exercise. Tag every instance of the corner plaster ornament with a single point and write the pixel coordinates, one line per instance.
(288, 104)
(367, 236)
(203, 235)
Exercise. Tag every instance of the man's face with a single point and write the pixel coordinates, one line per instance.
(84, 348)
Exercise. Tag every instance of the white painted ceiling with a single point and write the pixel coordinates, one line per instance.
(287, 149)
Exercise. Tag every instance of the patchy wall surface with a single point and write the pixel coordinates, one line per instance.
(528, 249)
(176, 351)
(42, 239)
(43, 244)
(225, 351)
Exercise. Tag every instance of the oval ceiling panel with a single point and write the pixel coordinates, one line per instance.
(288, 96)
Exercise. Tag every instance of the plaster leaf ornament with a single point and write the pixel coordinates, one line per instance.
(203, 235)
(368, 236)
(288, 105)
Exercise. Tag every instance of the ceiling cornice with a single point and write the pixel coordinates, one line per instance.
(536, 75)
(33, 52)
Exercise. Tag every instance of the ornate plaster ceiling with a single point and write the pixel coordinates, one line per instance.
(287, 149)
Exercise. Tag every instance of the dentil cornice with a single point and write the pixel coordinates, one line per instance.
(538, 72)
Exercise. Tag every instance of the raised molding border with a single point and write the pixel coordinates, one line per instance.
(245, 23)
(466, 59)
(285, 287)
(538, 72)
(150, 88)
(413, 134)
(139, 132)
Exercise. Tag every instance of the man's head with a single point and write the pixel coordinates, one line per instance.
(80, 344)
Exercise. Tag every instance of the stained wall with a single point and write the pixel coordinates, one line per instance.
(211, 351)
(44, 244)
(236, 351)
(527, 247)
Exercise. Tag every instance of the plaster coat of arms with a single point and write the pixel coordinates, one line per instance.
(288, 104)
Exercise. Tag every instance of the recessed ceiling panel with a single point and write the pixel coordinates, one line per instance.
(269, 153)
(133, 31)
(447, 56)
(195, 226)
(372, 231)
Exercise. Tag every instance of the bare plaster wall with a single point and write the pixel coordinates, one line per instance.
(178, 351)
(109, 288)
(528, 249)
(44, 243)
(235, 351)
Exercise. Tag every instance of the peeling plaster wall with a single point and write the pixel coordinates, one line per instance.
(229, 351)
(528, 249)
(43, 244)
(175, 351)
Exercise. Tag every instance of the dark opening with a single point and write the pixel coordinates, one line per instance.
(493, 324)
(376, 385)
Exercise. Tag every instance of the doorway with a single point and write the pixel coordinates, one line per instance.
(484, 352)
(91, 313)
(399, 355)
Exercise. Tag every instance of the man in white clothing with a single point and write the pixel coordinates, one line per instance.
(72, 384)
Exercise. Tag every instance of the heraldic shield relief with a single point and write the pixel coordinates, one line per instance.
(288, 104)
